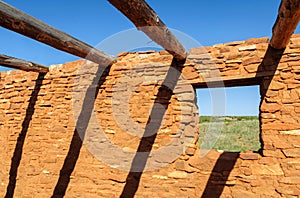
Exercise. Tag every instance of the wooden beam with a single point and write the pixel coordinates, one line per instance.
(19, 22)
(146, 20)
(286, 23)
(15, 63)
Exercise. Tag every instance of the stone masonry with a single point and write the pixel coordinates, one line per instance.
(43, 154)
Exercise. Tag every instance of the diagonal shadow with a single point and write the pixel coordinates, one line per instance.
(17, 156)
(268, 66)
(146, 144)
(219, 176)
(68, 166)
(82, 122)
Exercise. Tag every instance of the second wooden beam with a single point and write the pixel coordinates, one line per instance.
(16, 63)
(145, 19)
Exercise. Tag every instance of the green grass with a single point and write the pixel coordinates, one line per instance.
(230, 133)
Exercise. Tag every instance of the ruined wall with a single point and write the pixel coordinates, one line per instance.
(43, 155)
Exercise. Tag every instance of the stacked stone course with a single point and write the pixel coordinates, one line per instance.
(47, 127)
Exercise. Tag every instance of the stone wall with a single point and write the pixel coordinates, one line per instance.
(43, 154)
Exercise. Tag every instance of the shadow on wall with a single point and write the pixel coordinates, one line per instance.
(17, 156)
(82, 122)
(270, 64)
(220, 173)
(225, 163)
(146, 144)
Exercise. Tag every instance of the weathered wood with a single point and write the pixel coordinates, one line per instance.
(286, 23)
(16, 63)
(17, 21)
(146, 20)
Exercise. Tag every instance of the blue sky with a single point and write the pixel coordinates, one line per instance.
(208, 22)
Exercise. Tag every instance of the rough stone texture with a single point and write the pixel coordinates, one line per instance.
(37, 126)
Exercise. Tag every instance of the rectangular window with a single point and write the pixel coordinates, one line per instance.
(234, 129)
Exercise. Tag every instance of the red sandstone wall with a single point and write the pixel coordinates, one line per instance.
(41, 145)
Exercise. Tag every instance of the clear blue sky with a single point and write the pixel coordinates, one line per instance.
(209, 22)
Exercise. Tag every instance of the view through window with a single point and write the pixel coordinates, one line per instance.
(237, 126)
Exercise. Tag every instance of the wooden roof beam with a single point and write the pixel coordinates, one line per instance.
(286, 23)
(146, 20)
(16, 63)
(18, 21)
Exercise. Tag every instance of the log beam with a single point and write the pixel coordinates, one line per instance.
(18, 21)
(286, 23)
(146, 20)
(16, 63)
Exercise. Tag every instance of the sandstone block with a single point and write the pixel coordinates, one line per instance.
(276, 154)
(288, 190)
(291, 132)
(279, 126)
(275, 169)
(235, 43)
(252, 60)
(268, 161)
(178, 175)
(293, 153)
(270, 107)
(160, 177)
(247, 48)
(290, 180)
(276, 85)
(257, 40)
(251, 68)
(249, 156)
(200, 50)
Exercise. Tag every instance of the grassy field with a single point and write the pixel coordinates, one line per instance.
(231, 133)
